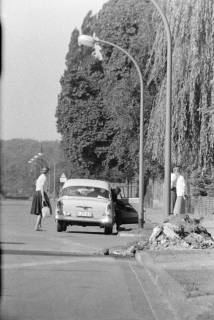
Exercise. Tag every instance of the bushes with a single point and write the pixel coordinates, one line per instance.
(201, 183)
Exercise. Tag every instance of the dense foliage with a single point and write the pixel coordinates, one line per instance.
(98, 107)
(192, 27)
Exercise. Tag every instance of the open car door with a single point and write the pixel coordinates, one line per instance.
(127, 214)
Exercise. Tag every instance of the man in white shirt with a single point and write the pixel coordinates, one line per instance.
(174, 176)
(179, 207)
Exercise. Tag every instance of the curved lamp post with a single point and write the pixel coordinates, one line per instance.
(91, 42)
(167, 167)
(33, 161)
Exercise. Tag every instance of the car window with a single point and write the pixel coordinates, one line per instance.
(83, 191)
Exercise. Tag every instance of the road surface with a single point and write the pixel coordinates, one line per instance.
(60, 276)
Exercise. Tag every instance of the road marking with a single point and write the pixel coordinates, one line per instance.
(144, 291)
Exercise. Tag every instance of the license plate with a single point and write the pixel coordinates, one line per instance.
(85, 214)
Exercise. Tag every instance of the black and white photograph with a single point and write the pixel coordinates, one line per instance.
(107, 160)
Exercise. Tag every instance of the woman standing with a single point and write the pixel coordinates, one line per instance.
(40, 198)
(179, 207)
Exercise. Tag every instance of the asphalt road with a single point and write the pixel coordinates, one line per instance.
(61, 276)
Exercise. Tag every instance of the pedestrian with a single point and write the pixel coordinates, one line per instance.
(179, 207)
(40, 198)
(115, 193)
(174, 176)
(118, 205)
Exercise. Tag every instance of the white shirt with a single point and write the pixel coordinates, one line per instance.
(41, 183)
(180, 186)
(173, 180)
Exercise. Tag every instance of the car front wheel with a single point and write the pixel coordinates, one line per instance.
(108, 230)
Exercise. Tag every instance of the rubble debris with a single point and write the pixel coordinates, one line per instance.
(123, 251)
(179, 232)
(106, 252)
(176, 233)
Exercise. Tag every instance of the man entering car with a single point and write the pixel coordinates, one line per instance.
(118, 206)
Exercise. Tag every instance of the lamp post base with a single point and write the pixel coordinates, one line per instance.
(141, 223)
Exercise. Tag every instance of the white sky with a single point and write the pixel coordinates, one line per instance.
(36, 35)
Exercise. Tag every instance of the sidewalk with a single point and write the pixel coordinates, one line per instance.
(184, 278)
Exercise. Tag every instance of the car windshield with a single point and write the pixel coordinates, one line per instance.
(84, 191)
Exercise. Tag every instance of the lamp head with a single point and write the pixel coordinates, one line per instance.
(85, 40)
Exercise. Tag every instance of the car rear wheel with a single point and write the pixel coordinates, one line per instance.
(108, 230)
(59, 226)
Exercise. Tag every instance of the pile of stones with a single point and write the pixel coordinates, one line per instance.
(176, 233)
(179, 232)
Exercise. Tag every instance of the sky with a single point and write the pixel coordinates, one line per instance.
(36, 35)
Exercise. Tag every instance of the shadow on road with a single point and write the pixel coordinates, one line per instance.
(3, 242)
(52, 253)
(90, 232)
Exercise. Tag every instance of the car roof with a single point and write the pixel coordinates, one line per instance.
(87, 182)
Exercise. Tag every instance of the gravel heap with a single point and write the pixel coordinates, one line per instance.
(175, 233)
(179, 232)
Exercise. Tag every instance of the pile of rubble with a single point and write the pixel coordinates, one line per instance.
(176, 233)
(179, 233)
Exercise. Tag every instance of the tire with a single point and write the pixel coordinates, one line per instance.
(108, 230)
(59, 226)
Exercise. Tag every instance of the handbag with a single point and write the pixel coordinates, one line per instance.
(46, 212)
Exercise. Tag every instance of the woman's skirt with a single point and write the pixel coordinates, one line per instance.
(179, 207)
(36, 207)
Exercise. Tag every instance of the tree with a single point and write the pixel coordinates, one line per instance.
(107, 91)
(192, 26)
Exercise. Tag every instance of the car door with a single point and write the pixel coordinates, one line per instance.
(127, 211)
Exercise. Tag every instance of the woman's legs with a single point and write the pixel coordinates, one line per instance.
(38, 222)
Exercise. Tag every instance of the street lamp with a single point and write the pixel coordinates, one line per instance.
(33, 161)
(91, 42)
(168, 111)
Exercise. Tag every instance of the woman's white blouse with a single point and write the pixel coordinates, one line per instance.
(41, 183)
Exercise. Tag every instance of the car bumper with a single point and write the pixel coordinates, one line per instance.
(102, 222)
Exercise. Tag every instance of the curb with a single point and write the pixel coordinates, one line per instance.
(171, 289)
(97, 253)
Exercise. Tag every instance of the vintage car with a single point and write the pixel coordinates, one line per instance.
(85, 202)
